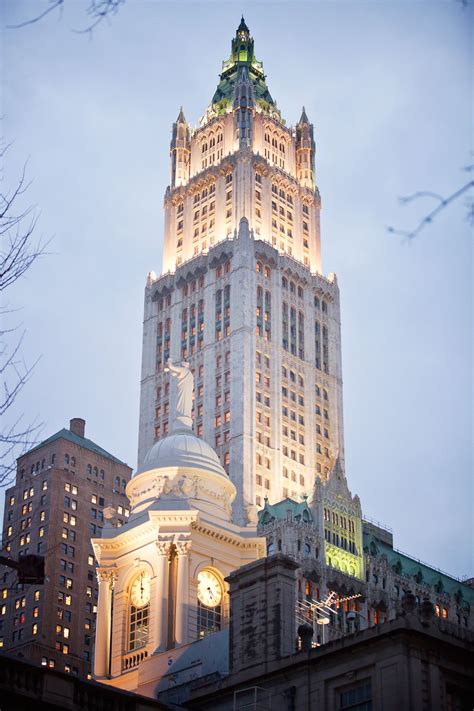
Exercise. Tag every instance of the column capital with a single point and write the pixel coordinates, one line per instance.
(105, 575)
(163, 547)
(183, 547)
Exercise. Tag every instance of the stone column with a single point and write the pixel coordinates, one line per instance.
(103, 626)
(182, 593)
(160, 600)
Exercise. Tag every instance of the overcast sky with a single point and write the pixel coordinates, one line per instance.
(388, 87)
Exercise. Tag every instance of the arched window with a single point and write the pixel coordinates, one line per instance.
(210, 594)
(139, 611)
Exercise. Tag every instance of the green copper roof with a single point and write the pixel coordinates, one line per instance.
(242, 54)
(278, 512)
(410, 567)
(81, 442)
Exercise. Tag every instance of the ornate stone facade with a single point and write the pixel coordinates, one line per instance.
(242, 297)
(342, 554)
(162, 576)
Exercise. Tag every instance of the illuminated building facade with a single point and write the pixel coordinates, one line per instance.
(162, 576)
(242, 297)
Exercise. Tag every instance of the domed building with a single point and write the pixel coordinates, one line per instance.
(162, 575)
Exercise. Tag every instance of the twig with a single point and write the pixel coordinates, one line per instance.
(428, 219)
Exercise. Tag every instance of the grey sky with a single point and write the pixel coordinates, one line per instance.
(388, 87)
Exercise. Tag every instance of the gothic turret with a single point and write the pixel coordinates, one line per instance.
(180, 151)
(305, 151)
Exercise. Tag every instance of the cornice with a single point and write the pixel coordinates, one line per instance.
(227, 537)
(201, 180)
(124, 537)
(214, 124)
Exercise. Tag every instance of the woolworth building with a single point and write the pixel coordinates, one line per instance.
(241, 451)
(242, 296)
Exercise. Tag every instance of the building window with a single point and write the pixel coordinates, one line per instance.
(357, 698)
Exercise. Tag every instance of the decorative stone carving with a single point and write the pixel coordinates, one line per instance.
(252, 515)
(163, 547)
(105, 575)
(183, 547)
(184, 397)
(110, 513)
(102, 575)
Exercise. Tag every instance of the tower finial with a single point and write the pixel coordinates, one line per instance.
(181, 118)
(304, 118)
(242, 27)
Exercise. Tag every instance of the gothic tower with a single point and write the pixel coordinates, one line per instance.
(241, 295)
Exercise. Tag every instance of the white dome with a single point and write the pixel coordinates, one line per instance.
(182, 449)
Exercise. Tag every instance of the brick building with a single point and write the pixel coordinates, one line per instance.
(54, 508)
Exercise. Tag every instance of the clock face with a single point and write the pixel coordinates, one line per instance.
(140, 593)
(209, 589)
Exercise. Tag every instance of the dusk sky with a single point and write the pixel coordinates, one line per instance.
(388, 86)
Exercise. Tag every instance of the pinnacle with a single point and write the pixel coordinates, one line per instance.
(242, 27)
(181, 118)
(304, 118)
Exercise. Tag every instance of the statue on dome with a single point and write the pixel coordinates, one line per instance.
(184, 396)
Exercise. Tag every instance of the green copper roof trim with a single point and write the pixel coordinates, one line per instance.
(81, 442)
(278, 511)
(242, 54)
(410, 567)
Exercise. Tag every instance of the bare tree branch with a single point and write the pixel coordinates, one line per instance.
(54, 5)
(97, 11)
(18, 252)
(442, 204)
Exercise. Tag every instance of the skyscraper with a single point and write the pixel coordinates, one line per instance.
(56, 505)
(241, 294)
(241, 297)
